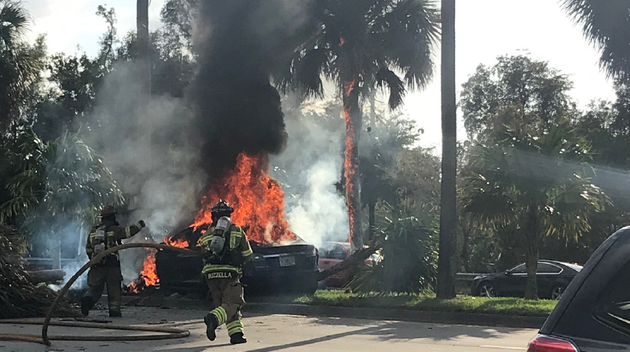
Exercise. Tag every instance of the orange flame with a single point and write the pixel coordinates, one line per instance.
(258, 202)
(148, 275)
(257, 199)
(181, 243)
(350, 168)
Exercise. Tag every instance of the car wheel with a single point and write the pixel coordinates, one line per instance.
(556, 292)
(486, 289)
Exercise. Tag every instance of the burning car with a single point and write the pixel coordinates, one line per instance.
(291, 266)
(280, 260)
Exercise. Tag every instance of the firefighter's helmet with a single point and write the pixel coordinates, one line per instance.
(108, 210)
(221, 207)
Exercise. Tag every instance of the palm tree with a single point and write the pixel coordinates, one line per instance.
(361, 45)
(447, 262)
(20, 64)
(534, 183)
(607, 25)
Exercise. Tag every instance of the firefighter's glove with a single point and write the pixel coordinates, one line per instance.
(142, 223)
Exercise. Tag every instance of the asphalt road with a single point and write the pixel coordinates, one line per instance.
(287, 333)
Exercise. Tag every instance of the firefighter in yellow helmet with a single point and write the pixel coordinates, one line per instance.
(105, 235)
(226, 251)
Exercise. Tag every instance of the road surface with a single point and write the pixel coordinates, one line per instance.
(268, 333)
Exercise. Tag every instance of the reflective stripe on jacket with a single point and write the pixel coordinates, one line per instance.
(238, 240)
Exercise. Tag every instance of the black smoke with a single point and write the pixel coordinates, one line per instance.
(238, 109)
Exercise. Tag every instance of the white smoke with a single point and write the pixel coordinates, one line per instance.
(150, 150)
(67, 241)
(147, 144)
(309, 170)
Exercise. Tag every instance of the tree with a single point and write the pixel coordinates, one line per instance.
(359, 46)
(20, 64)
(54, 183)
(513, 81)
(528, 156)
(178, 18)
(386, 139)
(534, 183)
(606, 125)
(606, 24)
(76, 79)
(447, 262)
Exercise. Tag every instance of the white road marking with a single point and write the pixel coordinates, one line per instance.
(505, 347)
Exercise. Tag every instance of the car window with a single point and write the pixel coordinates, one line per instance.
(544, 268)
(334, 252)
(614, 305)
(574, 267)
(518, 269)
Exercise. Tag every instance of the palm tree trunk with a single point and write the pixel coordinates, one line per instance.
(371, 220)
(142, 23)
(531, 255)
(353, 119)
(531, 262)
(447, 261)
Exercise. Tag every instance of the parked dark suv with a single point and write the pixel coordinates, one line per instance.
(552, 277)
(593, 314)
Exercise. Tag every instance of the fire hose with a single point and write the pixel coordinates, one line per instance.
(165, 333)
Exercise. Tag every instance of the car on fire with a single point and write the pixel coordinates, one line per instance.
(290, 267)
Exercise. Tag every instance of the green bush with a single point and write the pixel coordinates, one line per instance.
(408, 235)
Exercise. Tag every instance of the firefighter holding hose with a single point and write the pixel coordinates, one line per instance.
(226, 251)
(105, 235)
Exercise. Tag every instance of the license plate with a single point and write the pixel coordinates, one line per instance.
(287, 261)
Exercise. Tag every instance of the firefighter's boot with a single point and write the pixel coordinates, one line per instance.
(86, 304)
(115, 313)
(212, 323)
(237, 338)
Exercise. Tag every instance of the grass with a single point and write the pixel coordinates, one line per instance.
(425, 302)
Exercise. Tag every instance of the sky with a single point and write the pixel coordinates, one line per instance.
(485, 29)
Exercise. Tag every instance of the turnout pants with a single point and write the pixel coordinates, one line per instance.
(227, 295)
(98, 277)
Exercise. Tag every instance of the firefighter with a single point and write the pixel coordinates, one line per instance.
(105, 235)
(226, 251)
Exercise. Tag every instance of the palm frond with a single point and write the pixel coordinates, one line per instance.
(606, 24)
(388, 78)
(409, 252)
(407, 35)
(13, 23)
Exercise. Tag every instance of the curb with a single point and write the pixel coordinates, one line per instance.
(420, 316)
(495, 320)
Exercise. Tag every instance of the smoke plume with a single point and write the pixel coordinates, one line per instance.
(309, 170)
(237, 108)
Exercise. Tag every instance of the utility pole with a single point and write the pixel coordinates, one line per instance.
(447, 261)
(144, 52)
